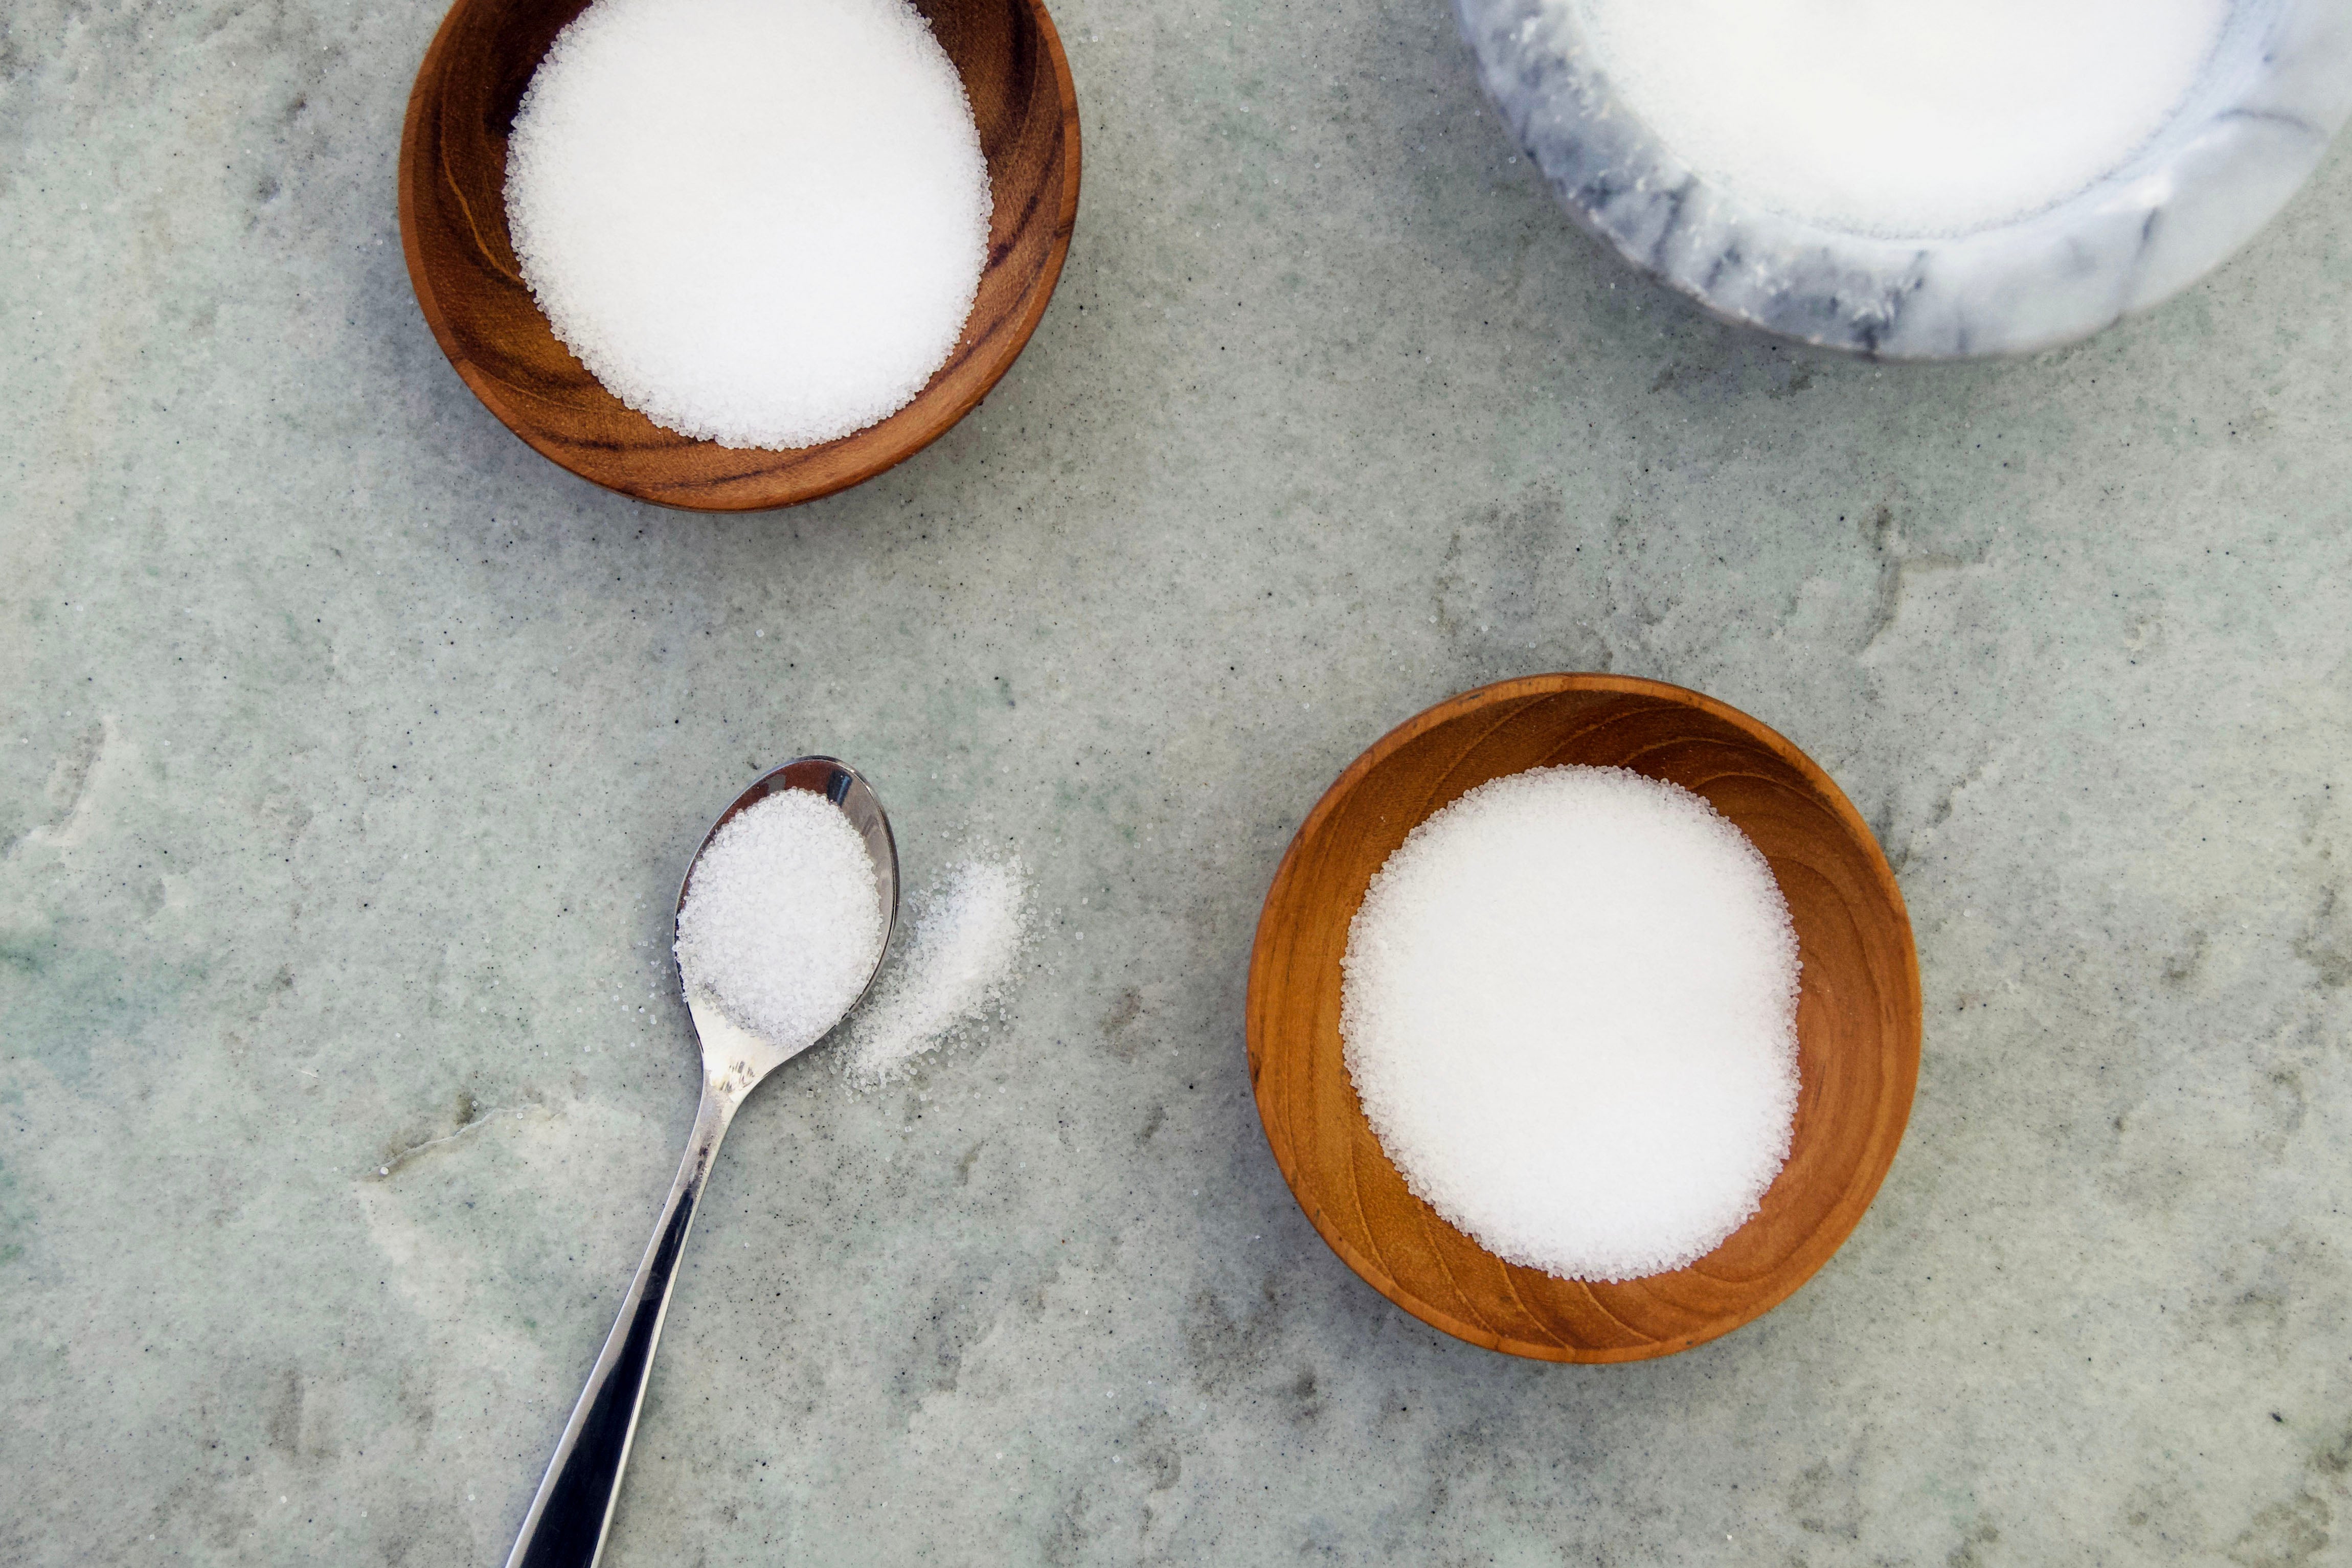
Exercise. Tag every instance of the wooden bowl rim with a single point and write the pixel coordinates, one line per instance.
(1257, 1026)
(787, 492)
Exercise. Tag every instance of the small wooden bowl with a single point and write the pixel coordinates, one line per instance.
(1857, 1017)
(453, 227)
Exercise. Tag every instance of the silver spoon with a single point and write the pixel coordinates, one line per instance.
(565, 1527)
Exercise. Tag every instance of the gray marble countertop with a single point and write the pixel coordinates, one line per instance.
(350, 752)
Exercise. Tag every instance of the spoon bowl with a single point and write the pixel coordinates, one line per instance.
(567, 1520)
(461, 260)
(732, 1055)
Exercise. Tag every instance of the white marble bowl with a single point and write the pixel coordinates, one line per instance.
(2278, 90)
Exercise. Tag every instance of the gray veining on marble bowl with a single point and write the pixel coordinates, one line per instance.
(2278, 88)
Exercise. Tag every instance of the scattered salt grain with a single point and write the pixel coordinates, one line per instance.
(781, 923)
(1893, 118)
(964, 937)
(756, 221)
(1568, 1007)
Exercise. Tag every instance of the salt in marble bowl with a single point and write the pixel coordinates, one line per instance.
(2277, 90)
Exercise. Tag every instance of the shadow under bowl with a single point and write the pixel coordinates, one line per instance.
(1858, 1015)
(452, 228)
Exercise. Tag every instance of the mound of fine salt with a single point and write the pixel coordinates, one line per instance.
(1890, 116)
(963, 941)
(1568, 1007)
(781, 923)
(756, 221)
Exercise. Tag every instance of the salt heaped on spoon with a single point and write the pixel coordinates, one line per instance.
(780, 924)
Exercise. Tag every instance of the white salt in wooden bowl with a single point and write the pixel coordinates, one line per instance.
(1858, 1015)
(453, 227)
(2273, 95)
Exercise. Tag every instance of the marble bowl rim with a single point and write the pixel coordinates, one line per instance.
(1584, 109)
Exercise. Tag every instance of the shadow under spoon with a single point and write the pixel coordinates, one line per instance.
(568, 1520)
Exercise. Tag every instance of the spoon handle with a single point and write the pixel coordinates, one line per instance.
(566, 1525)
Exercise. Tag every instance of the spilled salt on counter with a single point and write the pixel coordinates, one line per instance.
(781, 922)
(964, 941)
(1568, 1007)
(756, 221)
(1892, 118)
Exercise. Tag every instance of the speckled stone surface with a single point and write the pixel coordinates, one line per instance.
(348, 752)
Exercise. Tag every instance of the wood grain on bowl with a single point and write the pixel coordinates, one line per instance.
(452, 228)
(1858, 1016)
